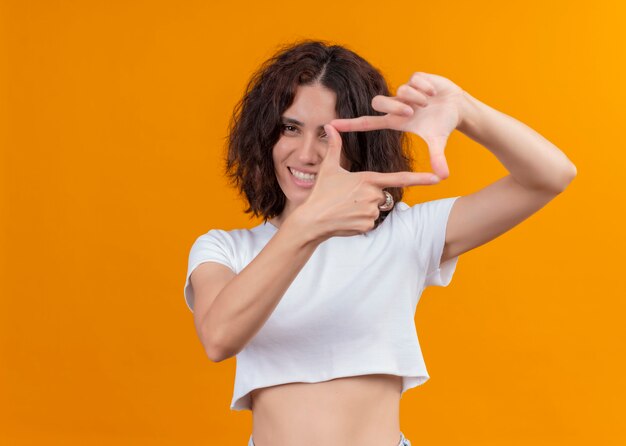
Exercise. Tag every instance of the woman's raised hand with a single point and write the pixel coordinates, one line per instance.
(344, 203)
(428, 105)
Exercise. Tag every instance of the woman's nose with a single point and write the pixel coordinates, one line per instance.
(311, 151)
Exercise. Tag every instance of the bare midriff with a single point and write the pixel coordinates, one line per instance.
(359, 410)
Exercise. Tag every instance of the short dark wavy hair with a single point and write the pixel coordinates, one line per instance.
(256, 125)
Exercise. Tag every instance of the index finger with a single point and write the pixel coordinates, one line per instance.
(400, 179)
(360, 124)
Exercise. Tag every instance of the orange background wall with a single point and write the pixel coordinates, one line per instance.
(113, 118)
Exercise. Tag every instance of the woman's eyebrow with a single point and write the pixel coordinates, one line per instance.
(287, 120)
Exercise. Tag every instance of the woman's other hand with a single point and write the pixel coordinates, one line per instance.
(427, 105)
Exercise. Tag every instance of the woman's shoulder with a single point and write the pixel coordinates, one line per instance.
(235, 235)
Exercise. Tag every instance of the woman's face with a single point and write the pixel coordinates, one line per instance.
(303, 142)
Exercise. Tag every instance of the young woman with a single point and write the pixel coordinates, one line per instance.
(318, 301)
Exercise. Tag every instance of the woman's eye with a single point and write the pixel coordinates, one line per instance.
(291, 128)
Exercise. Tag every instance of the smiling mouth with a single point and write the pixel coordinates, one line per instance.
(302, 176)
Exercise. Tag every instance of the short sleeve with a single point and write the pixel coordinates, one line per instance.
(214, 246)
(431, 219)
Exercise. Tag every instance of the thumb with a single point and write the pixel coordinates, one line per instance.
(333, 154)
(438, 162)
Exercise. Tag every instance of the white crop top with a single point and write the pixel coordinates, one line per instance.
(350, 311)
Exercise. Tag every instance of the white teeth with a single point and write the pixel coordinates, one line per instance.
(302, 175)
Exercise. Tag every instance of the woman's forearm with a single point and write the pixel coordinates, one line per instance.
(248, 300)
(532, 160)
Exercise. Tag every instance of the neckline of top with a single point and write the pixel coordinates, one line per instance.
(269, 225)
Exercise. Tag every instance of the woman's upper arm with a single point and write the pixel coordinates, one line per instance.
(208, 279)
